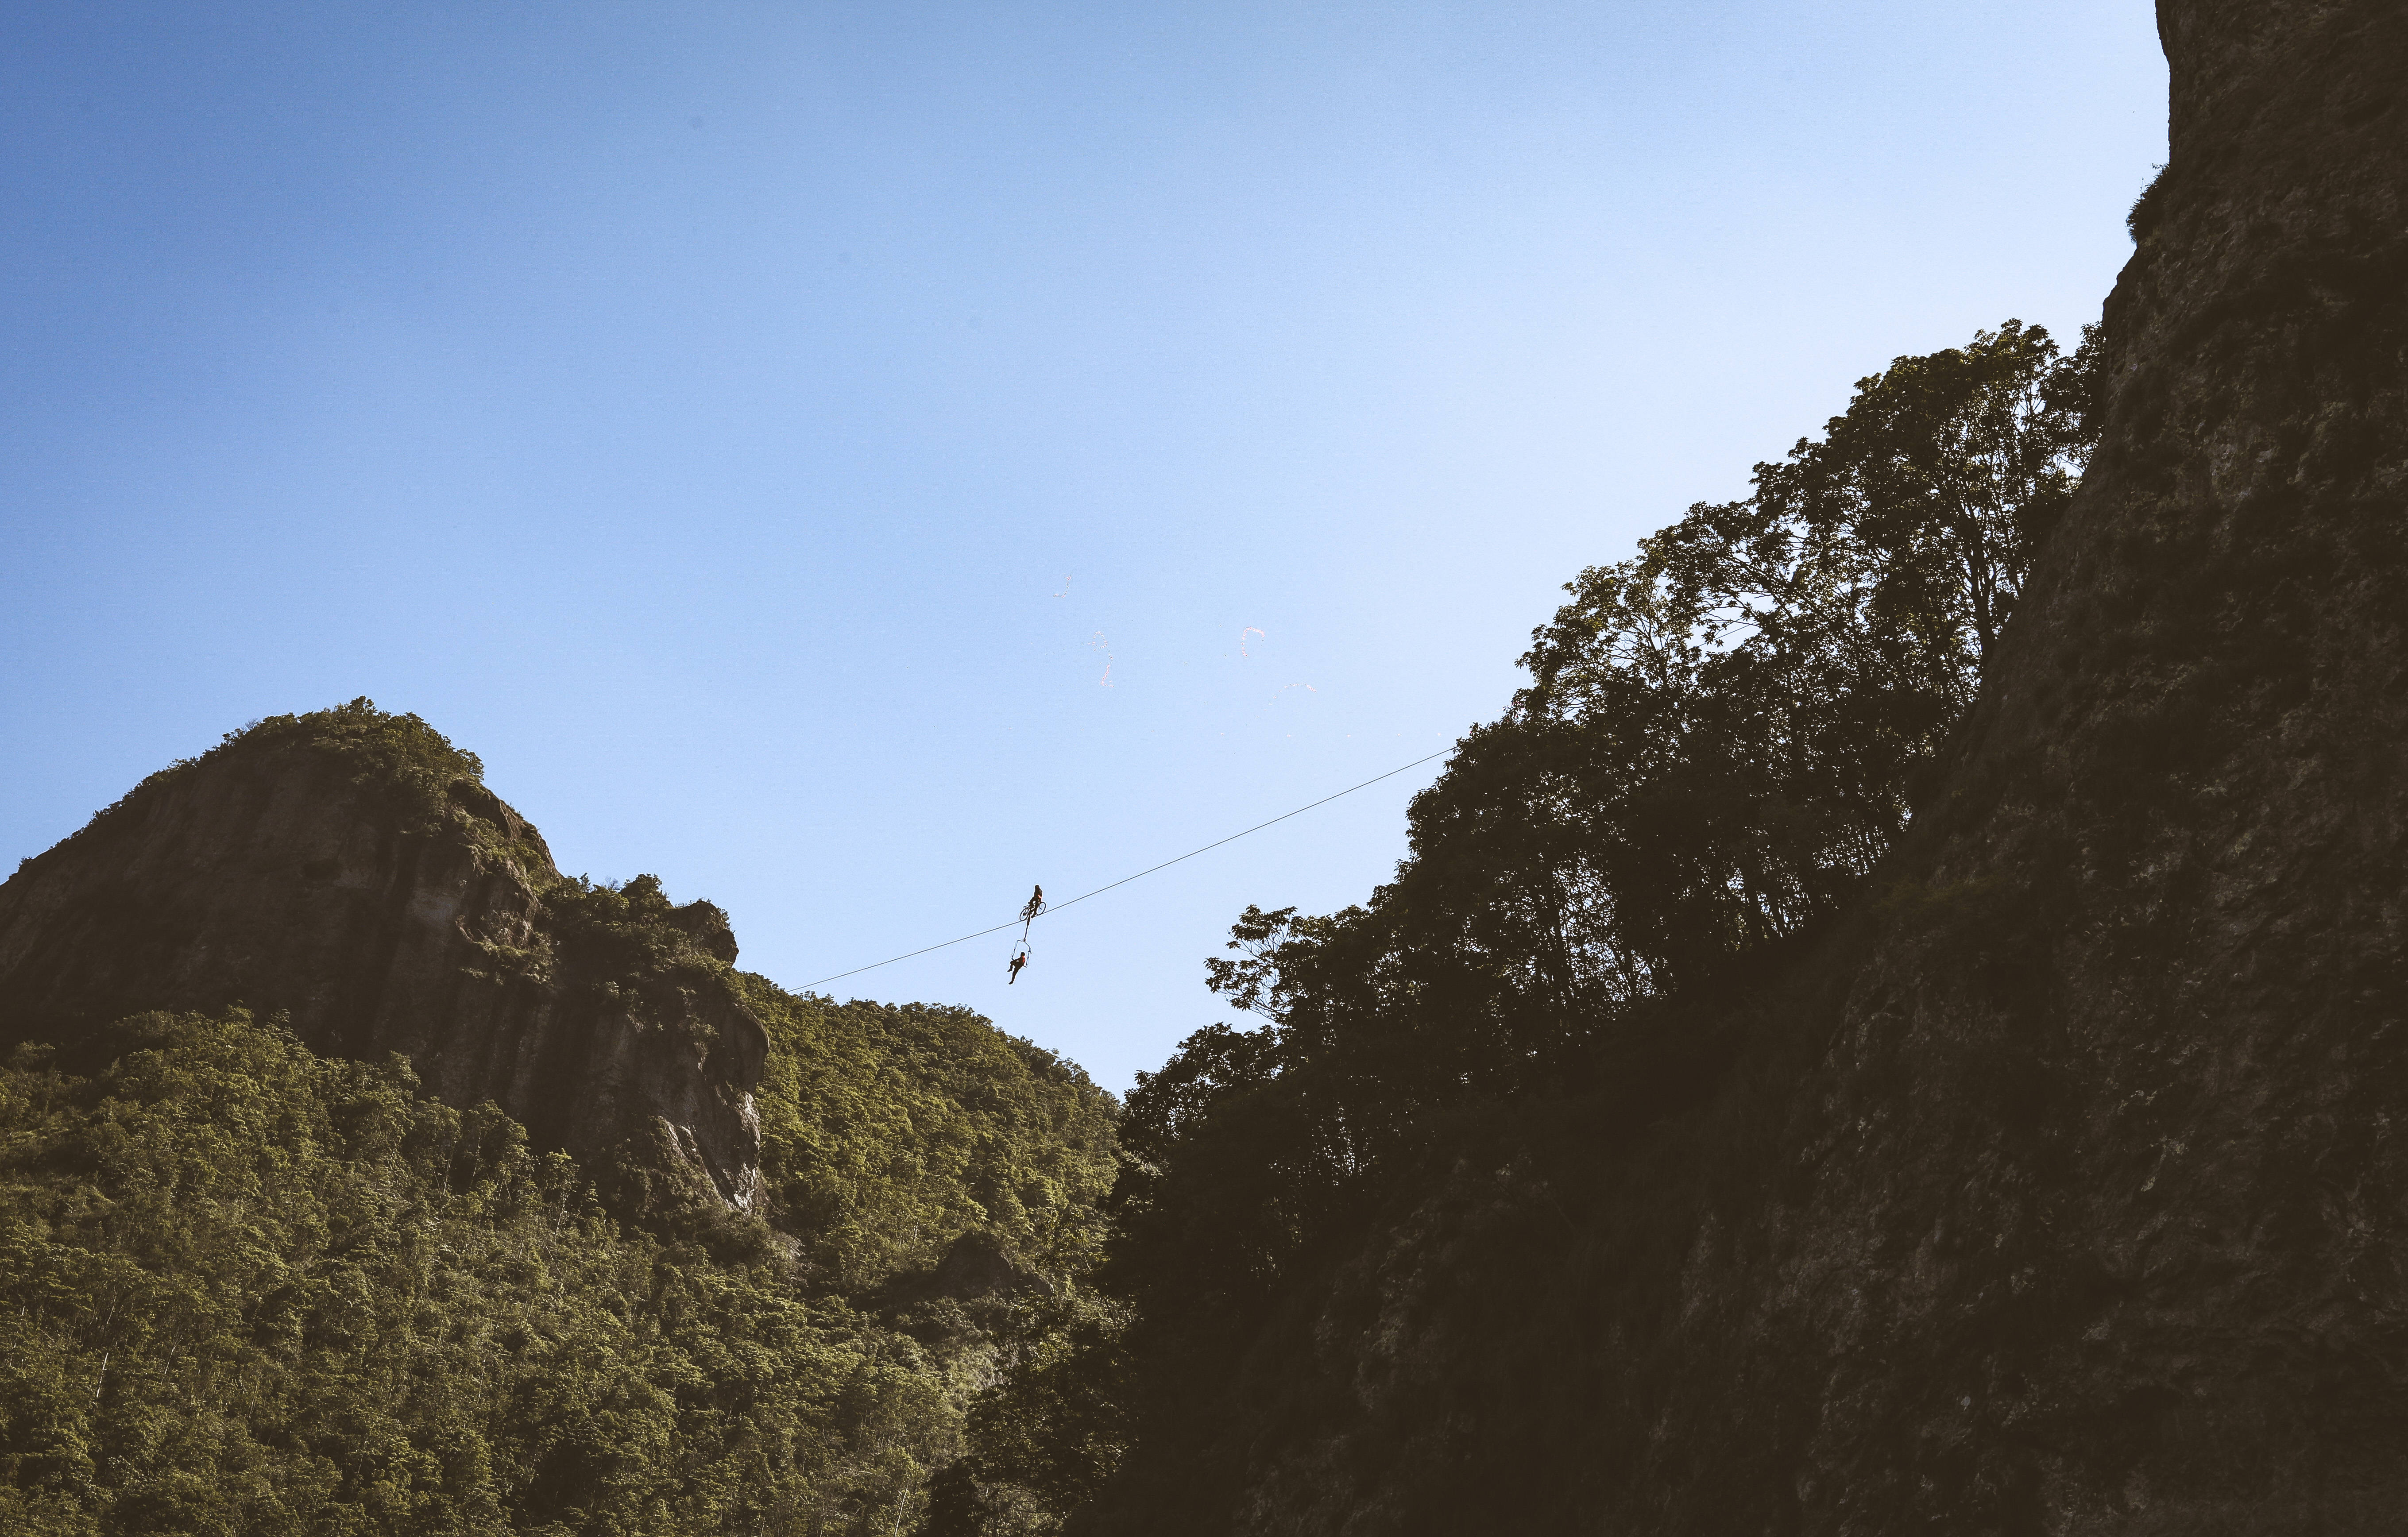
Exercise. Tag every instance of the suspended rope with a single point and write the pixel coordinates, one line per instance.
(1037, 905)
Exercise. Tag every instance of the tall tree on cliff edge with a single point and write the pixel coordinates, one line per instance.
(1719, 741)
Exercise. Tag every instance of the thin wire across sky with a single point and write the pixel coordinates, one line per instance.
(1073, 901)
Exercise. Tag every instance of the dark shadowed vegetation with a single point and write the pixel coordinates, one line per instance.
(1721, 738)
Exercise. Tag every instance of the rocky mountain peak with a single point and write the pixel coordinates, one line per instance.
(350, 869)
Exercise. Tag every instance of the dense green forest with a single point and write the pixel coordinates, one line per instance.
(251, 1289)
(255, 1290)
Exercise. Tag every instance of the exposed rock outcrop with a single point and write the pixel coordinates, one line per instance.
(350, 869)
(2067, 1191)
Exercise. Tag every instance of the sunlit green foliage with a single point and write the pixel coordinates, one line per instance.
(251, 1290)
(888, 1130)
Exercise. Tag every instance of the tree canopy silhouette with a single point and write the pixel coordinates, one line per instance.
(1720, 737)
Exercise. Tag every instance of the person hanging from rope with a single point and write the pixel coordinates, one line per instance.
(1029, 911)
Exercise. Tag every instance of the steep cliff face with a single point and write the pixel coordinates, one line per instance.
(349, 868)
(2137, 1030)
(2066, 1191)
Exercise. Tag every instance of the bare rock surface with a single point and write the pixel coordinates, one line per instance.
(350, 870)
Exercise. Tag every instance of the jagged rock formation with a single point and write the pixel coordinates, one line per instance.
(350, 869)
(2067, 1191)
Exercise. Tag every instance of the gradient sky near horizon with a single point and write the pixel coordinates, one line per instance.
(855, 461)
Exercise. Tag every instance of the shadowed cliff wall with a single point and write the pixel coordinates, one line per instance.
(2065, 1190)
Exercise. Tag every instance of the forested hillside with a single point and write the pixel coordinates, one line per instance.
(254, 1288)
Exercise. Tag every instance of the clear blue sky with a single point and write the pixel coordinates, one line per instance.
(855, 461)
